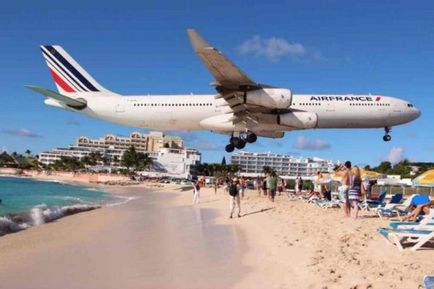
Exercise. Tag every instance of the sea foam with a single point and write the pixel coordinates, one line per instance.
(39, 215)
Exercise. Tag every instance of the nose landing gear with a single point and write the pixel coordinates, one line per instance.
(240, 141)
(387, 136)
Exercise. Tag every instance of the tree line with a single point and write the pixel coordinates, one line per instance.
(403, 168)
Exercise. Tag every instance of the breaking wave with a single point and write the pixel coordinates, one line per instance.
(39, 215)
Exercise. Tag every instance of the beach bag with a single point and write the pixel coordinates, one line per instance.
(233, 190)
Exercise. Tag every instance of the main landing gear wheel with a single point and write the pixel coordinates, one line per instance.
(248, 137)
(240, 144)
(387, 136)
(251, 137)
(229, 148)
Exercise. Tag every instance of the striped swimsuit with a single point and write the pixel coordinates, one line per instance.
(354, 191)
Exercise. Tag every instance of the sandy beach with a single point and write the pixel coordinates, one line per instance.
(160, 240)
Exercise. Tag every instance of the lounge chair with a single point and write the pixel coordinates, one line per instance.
(373, 202)
(427, 220)
(417, 238)
(395, 209)
(428, 282)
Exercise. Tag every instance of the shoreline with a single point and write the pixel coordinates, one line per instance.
(39, 215)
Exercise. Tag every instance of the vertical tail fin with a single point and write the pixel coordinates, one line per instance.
(69, 76)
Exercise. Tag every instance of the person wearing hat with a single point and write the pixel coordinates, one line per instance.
(234, 197)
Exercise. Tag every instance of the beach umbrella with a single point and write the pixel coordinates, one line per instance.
(370, 174)
(425, 180)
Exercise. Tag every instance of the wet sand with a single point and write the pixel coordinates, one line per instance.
(146, 243)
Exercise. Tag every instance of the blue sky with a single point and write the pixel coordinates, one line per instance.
(141, 47)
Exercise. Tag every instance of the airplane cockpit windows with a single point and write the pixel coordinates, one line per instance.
(409, 105)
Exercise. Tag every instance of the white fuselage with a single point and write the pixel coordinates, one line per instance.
(205, 112)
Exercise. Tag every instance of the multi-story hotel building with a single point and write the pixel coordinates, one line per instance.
(251, 164)
(168, 154)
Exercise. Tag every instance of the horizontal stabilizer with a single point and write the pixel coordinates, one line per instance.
(69, 101)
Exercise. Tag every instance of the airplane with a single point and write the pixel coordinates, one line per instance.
(241, 108)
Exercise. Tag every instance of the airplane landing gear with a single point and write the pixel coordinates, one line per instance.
(240, 141)
(229, 148)
(248, 136)
(387, 136)
(251, 137)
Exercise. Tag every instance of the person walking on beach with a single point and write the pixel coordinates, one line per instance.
(354, 190)
(234, 197)
(273, 187)
(196, 192)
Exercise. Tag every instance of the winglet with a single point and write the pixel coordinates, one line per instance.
(197, 42)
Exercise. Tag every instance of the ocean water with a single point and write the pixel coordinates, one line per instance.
(28, 202)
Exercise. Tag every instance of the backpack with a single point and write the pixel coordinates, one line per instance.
(233, 190)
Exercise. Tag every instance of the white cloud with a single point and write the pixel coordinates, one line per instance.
(274, 48)
(207, 146)
(304, 143)
(21, 132)
(396, 155)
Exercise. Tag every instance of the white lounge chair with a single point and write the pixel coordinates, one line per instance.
(398, 210)
(417, 238)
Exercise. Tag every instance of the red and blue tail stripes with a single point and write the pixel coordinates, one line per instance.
(68, 77)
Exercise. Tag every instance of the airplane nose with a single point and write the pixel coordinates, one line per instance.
(417, 113)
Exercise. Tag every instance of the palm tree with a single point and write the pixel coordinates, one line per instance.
(137, 160)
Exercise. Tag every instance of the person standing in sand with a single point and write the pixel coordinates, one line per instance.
(346, 167)
(243, 187)
(297, 185)
(354, 190)
(264, 185)
(273, 187)
(196, 192)
(234, 197)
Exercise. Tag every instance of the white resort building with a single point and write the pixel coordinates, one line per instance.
(251, 164)
(167, 152)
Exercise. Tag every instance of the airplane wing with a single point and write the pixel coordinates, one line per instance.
(228, 77)
(231, 83)
(69, 101)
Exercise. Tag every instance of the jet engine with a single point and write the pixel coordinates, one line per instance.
(279, 98)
